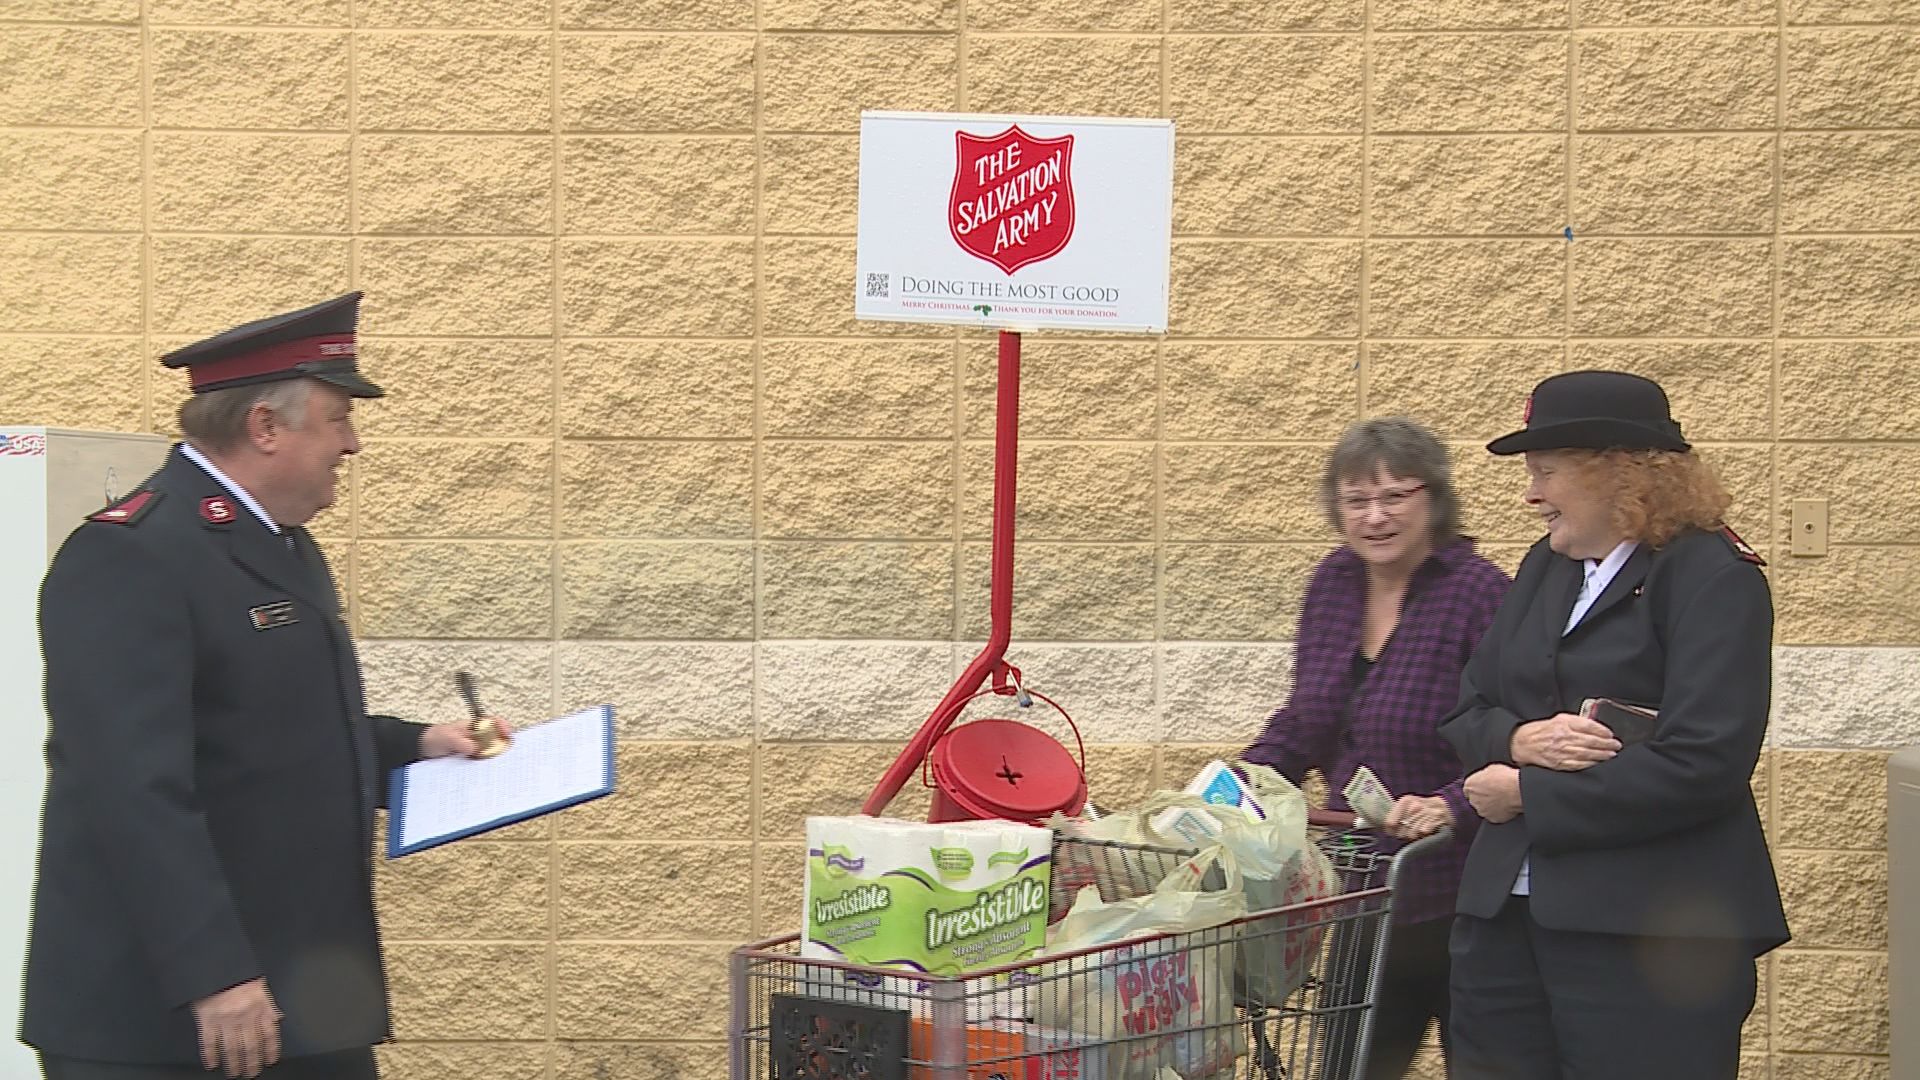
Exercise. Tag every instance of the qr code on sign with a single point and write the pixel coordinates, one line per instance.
(877, 284)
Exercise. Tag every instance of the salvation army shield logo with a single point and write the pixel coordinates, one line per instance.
(1012, 201)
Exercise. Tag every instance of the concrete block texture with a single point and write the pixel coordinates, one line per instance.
(1254, 186)
(440, 385)
(72, 75)
(1251, 391)
(1845, 389)
(1072, 592)
(632, 589)
(251, 183)
(70, 180)
(1672, 288)
(1848, 287)
(250, 79)
(1134, 16)
(795, 171)
(449, 286)
(1466, 15)
(451, 1060)
(653, 83)
(821, 82)
(629, 184)
(455, 82)
(1677, 79)
(1469, 82)
(1675, 183)
(657, 288)
(1846, 696)
(1070, 492)
(72, 11)
(219, 281)
(1836, 181)
(1296, 84)
(1068, 75)
(1268, 289)
(637, 451)
(659, 490)
(470, 489)
(1499, 184)
(1069, 388)
(613, 388)
(79, 284)
(79, 382)
(451, 14)
(1830, 1002)
(858, 490)
(330, 13)
(1853, 77)
(1452, 288)
(455, 184)
(653, 15)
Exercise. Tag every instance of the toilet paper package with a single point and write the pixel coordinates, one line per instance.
(938, 898)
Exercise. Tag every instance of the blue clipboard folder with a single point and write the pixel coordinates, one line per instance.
(550, 766)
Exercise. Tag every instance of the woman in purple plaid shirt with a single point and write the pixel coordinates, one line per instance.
(1388, 622)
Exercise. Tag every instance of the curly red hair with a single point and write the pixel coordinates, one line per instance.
(1656, 494)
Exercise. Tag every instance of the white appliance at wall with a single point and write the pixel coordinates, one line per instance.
(50, 480)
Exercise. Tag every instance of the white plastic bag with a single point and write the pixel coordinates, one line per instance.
(1280, 867)
(1164, 1002)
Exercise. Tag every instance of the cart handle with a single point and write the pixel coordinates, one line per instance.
(1020, 694)
(1331, 819)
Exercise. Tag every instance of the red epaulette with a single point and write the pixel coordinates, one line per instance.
(127, 511)
(1741, 547)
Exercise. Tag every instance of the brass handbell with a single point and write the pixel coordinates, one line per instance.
(486, 736)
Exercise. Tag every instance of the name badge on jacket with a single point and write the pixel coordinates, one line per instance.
(268, 616)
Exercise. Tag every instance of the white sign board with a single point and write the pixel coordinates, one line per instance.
(1014, 222)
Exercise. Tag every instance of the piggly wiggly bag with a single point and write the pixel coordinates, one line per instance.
(1162, 1002)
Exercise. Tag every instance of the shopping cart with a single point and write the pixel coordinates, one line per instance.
(1205, 1003)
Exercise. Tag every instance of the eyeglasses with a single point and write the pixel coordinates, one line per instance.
(1390, 501)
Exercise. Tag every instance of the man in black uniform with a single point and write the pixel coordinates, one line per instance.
(205, 889)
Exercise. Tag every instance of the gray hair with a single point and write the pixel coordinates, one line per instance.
(217, 419)
(1406, 449)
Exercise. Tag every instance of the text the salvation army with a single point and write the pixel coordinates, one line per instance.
(1005, 206)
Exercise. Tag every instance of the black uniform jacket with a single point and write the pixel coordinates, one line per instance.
(1662, 839)
(213, 776)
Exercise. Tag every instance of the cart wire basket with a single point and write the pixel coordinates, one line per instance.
(1282, 994)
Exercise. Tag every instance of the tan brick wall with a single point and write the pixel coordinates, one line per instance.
(637, 450)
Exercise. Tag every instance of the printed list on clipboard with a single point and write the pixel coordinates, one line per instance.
(550, 766)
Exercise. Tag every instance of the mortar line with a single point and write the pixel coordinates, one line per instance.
(1159, 430)
(956, 455)
(556, 526)
(1773, 455)
(355, 481)
(756, 419)
(149, 408)
(1567, 152)
(1363, 354)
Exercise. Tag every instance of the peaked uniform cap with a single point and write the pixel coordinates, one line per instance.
(315, 342)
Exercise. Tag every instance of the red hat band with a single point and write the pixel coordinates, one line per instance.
(273, 359)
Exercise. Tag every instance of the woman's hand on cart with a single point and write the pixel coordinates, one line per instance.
(1417, 816)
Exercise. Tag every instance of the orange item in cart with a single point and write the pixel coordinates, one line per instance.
(1011, 1050)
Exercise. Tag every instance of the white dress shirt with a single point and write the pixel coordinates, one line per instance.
(1599, 574)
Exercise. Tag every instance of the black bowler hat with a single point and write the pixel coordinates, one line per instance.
(315, 342)
(1595, 410)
